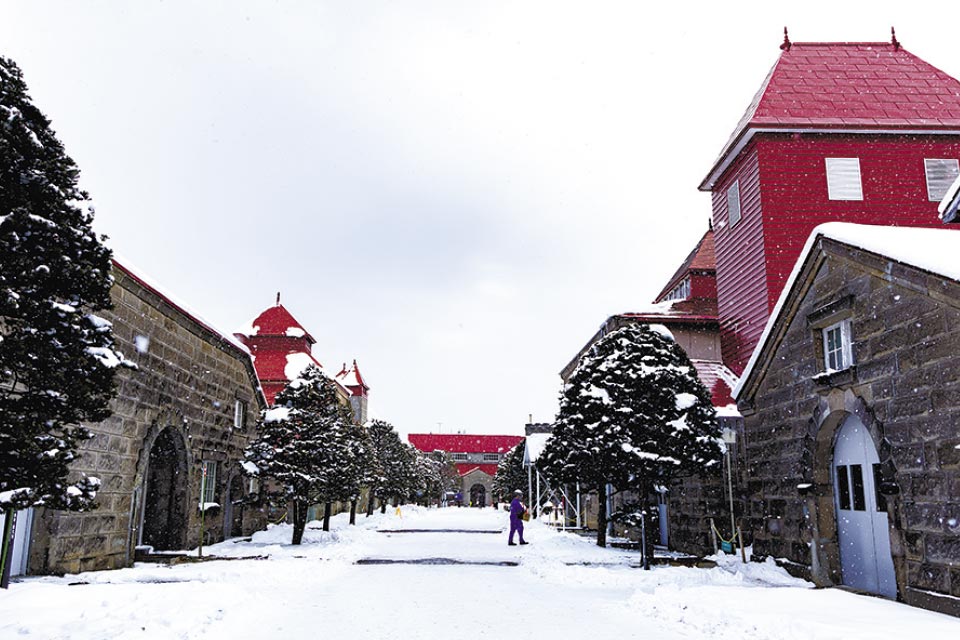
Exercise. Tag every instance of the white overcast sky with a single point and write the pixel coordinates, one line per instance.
(456, 194)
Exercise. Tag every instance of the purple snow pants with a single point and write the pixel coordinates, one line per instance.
(516, 525)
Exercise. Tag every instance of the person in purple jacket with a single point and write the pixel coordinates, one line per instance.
(517, 509)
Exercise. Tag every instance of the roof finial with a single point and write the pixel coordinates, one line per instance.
(893, 39)
(786, 41)
(278, 298)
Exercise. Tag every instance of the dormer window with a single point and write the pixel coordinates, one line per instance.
(679, 292)
(843, 179)
(941, 174)
(460, 457)
(733, 203)
(837, 346)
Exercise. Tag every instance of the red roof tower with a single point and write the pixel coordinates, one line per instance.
(359, 391)
(281, 348)
(856, 132)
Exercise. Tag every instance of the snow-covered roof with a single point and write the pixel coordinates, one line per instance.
(351, 377)
(277, 321)
(145, 281)
(463, 443)
(932, 250)
(536, 442)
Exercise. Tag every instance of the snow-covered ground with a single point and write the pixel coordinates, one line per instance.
(560, 585)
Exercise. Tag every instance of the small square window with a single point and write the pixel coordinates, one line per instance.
(843, 179)
(837, 348)
(733, 203)
(941, 173)
(208, 481)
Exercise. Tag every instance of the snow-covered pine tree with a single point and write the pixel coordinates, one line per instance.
(384, 443)
(633, 414)
(303, 445)
(57, 357)
(510, 474)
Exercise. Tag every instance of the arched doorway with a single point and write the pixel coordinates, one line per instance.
(862, 528)
(233, 513)
(478, 495)
(164, 514)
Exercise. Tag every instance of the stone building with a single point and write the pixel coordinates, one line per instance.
(476, 457)
(184, 410)
(852, 405)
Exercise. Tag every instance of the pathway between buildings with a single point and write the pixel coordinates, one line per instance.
(438, 574)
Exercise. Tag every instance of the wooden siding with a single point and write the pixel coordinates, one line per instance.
(741, 284)
(794, 189)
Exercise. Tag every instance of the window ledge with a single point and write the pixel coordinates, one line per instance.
(842, 379)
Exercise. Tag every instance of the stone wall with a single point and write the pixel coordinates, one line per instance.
(904, 387)
(188, 379)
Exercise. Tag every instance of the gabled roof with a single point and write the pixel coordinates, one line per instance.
(228, 340)
(466, 467)
(702, 258)
(851, 86)
(351, 377)
(463, 443)
(932, 250)
(277, 321)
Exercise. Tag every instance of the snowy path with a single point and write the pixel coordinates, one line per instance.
(561, 585)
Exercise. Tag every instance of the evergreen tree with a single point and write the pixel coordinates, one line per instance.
(510, 474)
(385, 448)
(57, 360)
(306, 445)
(633, 414)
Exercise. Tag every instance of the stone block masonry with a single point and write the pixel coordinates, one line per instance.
(186, 385)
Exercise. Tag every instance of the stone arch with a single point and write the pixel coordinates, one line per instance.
(478, 495)
(828, 418)
(162, 486)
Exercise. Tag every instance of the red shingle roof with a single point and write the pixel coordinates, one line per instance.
(464, 468)
(848, 85)
(463, 443)
(277, 321)
(702, 258)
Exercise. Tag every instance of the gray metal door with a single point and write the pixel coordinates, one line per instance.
(862, 525)
(22, 533)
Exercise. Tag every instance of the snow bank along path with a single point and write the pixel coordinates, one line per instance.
(563, 585)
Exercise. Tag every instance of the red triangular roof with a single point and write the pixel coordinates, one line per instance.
(277, 321)
(873, 86)
(702, 258)
(351, 377)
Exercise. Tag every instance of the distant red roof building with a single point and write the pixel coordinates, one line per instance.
(463, 443)
(855, 132)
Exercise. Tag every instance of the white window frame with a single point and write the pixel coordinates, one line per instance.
(936, 192)
(209, 467)
(733, 203)
(681, 291)
(491, 457)
(840, 179)
(239, 415)
(841, 354)
(460, 457)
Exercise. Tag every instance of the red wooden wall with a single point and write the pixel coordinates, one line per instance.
(783, 194)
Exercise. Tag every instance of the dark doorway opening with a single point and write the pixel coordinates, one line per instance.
(164, 515)
(233, 514)
(478, 495)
